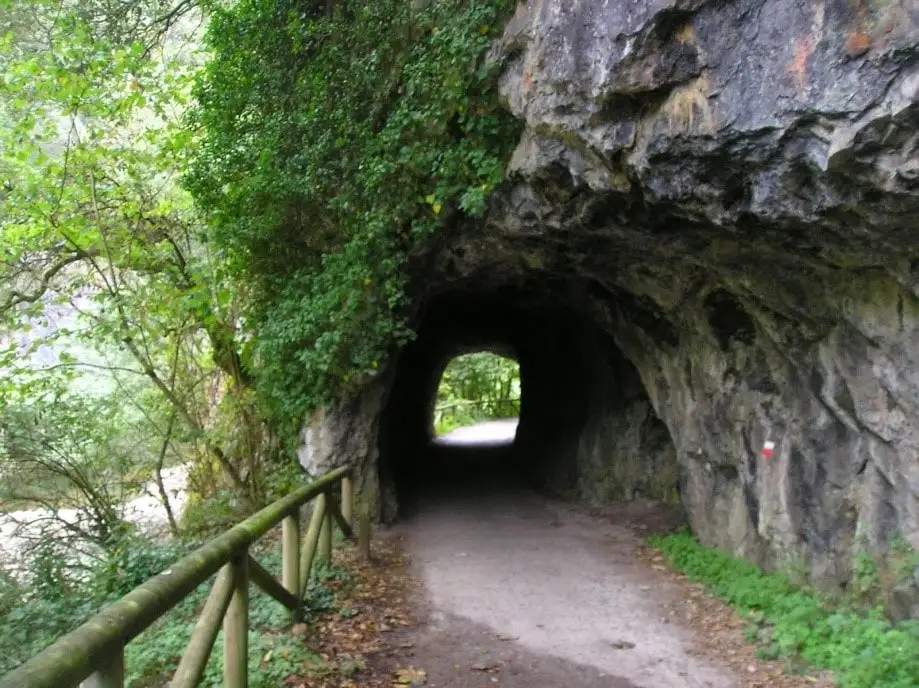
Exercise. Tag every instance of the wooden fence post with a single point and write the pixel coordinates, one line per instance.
(325, 537)
(109, 676)
(311, 543)
(236, 627)
(193, 663)
(347, 499)
(290, 556)
(363, 528)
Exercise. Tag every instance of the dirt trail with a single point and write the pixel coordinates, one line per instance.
(517, 590)
(523, 591)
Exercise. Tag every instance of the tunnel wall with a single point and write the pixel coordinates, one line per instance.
(728, 191)
(587, 428)
(838, 400)
(589, 421)
(735, 188)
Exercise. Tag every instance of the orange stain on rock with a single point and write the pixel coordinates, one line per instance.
(798, 67)
(528, 78)
(858, 43)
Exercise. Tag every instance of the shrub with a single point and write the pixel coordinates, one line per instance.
(864, 651)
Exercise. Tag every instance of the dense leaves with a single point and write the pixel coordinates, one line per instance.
(864, 651)
(50, 603)
(142, 325)
(335, 142)
(110, 294)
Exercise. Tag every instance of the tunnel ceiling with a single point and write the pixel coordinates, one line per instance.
(725, 196)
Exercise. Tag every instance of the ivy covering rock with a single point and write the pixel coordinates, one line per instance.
(336, 142)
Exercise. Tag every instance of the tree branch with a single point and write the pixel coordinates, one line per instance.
(16, 297)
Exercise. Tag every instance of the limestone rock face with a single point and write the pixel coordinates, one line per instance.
(736, 187)
(346, 435)
(729, 191)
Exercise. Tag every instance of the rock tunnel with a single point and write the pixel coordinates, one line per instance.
(580, 400)
(707, 239)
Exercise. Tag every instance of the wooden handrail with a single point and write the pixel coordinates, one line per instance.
(94, 652)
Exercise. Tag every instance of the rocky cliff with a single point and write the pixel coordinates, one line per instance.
(714, 208)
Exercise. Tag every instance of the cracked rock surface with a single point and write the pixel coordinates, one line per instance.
(726, 194)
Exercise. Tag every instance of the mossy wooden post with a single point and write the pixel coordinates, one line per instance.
(310, 543)
(325, 536)
(109, 676)
(236, 627)
(290, 556)
(347, 499)
(77, 655)
(363, 528)
(194, 661)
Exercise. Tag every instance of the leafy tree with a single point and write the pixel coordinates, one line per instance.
(338, 137)
(104, 263)
(73, 459)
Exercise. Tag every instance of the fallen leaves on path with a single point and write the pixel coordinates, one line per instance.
(372, 603)
(410, 678)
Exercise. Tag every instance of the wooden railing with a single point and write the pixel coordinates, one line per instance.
(94, 653)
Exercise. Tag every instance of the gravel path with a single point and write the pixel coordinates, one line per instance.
(519, 591)
(558, 582)
(493, 431)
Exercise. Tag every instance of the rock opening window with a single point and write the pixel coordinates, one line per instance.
(476, 389)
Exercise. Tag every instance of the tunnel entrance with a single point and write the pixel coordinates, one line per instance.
(586, 425)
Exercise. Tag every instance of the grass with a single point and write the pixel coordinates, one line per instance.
(863, 650)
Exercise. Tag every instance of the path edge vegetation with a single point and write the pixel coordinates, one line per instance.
(862, 650)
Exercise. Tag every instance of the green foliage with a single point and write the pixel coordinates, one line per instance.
(335, 142)
(274, 653)
(133, 561)
(863, 651)
(64, 451)
(212, 515)
(54, 601)
(223, 508)
(105, 264)
(865, 589)
(475, 388)
(874, 578)
(56, 597)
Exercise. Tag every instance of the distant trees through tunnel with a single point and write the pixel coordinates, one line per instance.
(474, 388)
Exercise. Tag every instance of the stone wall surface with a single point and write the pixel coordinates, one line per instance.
(729, 190)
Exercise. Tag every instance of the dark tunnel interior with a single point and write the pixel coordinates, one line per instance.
(586, 429)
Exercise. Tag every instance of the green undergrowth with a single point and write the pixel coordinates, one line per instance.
(275, 653)
(337, 139)
(36, 613)
(863, 650)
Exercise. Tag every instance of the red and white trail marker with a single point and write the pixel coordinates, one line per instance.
(768, 450)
